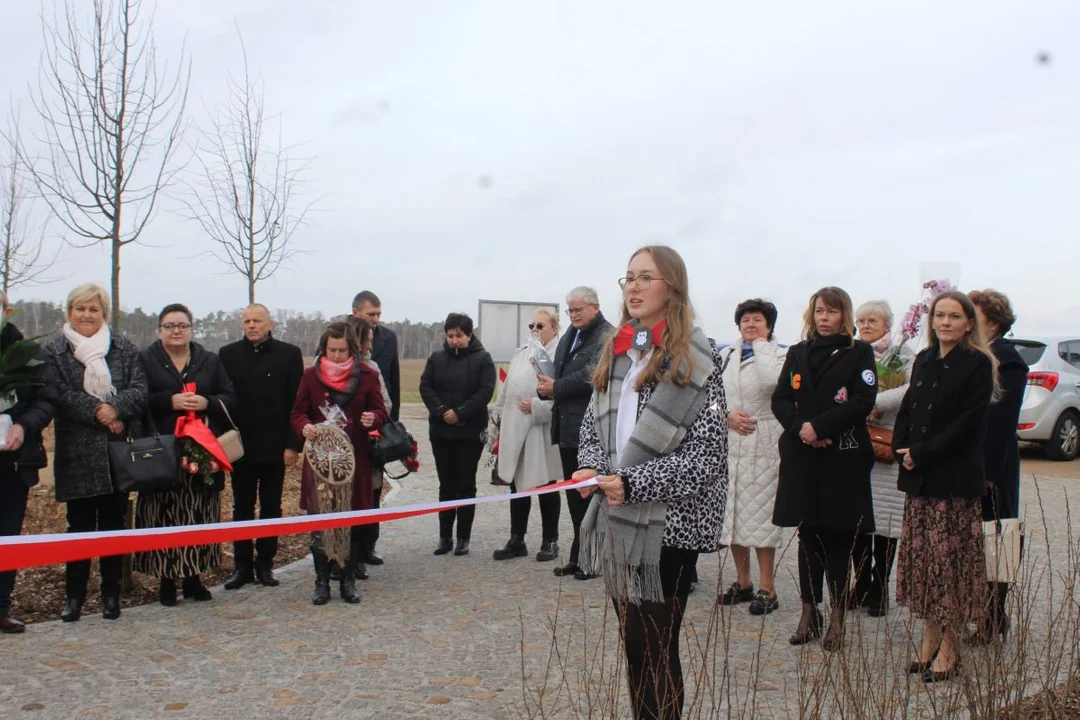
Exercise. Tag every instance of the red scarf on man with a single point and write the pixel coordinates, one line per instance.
(336, 375)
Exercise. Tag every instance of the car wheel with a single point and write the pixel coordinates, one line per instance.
(1064, 443)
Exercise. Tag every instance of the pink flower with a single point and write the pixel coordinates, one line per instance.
(193, 468)
(184, 463)
(214, 467)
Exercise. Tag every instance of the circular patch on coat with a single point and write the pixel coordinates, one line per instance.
(868, 377)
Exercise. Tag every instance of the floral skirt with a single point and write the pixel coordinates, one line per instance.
(941, 567)
(193, 503)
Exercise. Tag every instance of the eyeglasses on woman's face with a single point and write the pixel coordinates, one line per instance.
(176, 327)
(537, 326)
(642, 281)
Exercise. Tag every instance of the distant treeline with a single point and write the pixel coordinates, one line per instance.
(415, 340)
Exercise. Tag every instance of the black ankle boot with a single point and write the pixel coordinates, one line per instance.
(462, 547)
(549, 550)
(347, 588)
(194, 589)
(445, 545)
(515, 547)
(321, 596)
(167, 592)
(110, 607)
(72, 610)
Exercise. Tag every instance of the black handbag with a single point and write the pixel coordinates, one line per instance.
(146, 464)
(394, 443)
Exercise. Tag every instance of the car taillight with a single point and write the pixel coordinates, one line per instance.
(1025, 426)
(1048, 380)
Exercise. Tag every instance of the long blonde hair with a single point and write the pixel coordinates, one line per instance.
(972, 340)
(675, 339)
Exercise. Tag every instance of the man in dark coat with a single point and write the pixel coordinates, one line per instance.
(21, 456)
(384, 353)
(575, 357)
(265, 374)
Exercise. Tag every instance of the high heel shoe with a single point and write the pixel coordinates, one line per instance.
(931, 676)
(918, 667)
(809, 626)
(834, 636)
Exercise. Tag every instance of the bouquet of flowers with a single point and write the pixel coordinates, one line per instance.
(201, 455)
(539, 358)
(892, 367)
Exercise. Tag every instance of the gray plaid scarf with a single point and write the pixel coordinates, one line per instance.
(623, 542)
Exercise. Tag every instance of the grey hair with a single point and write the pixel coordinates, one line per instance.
(876, 307)
(584, 293)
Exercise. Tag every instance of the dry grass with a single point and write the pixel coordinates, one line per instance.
(1034, 674)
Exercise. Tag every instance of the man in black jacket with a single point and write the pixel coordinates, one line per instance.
(576, 356)
(384, 353)
(21, 456)
(265, 373)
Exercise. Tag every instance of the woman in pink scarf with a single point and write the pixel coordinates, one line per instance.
(343, 384)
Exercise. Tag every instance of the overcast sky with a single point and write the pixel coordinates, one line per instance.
(512, 150)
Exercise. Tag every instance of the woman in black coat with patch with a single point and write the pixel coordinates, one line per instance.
(825, 391)
(938, 438)
(1001, 448)
(171, 362)
(456, 386)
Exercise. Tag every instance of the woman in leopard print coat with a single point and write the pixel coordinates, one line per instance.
(655, 439)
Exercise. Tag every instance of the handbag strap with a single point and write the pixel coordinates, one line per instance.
(227, 415)
(151, 427)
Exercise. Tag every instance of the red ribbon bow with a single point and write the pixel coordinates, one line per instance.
(624, 339)
(191, 426)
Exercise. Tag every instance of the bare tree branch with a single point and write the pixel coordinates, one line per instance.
(243, 195)
(113, 121)
(23, 260)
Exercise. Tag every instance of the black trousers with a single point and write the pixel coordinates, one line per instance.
(576, 504)
(650, 632)
(371, 532)
(101, 512)
(874, 555)
(456, 462)
(550, 507)
(13, 495)
(265, 481)
(825, 555)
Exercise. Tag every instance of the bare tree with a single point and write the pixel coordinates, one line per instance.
(22, 241)
(245, 195)
(112, 125)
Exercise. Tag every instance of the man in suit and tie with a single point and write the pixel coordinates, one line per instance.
(576, 356)
(384, 353)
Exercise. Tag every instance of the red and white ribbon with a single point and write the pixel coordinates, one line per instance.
(23, 551)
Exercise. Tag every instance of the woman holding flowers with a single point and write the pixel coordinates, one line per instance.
(183, 377)
(874, 553)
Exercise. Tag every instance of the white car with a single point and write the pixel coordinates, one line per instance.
(1050, 415)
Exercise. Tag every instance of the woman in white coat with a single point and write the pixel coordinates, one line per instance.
(874, 554)
(751, 368)
(527, 458)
